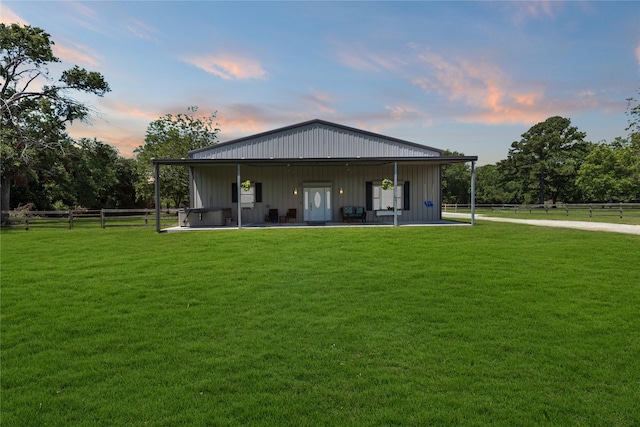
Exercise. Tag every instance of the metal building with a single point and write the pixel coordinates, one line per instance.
(316, 172)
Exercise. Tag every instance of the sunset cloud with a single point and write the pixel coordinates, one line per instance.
(481, 86)
(76, 53)
(228, 66)
(403, 112)
(8, 17)
(141, 29)
(360, 58)
(638, 53)
(523, 11)
(320, 101)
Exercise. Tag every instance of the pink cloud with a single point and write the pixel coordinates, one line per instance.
(141, 29)
(404, 112)
(320, 101)
(228, 66)
(8, 16)
(526, 10)
(482, 86)
(78, 54)
(638, 53)
(358, 58)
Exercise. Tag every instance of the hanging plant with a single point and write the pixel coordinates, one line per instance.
(246, 185)
(387, 184)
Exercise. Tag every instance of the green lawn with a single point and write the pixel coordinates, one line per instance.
(497, 324)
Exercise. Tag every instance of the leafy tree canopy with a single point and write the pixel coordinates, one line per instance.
(34, 107)
(546, 160)
(172, 136)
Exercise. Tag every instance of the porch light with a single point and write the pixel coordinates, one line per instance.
(341, 191)
(295, 191)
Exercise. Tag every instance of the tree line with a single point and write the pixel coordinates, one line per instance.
(41, 165)
(552, 162)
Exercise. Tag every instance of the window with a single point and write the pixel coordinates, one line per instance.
(379, 199)
(247, 197)
(383, 199)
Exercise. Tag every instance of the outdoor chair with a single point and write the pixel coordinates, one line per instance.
(291, 214)
(273, 215)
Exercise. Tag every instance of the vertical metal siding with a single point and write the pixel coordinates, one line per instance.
(212, 188)
(314, 141)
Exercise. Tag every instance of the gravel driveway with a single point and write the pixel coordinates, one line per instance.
(581, 225)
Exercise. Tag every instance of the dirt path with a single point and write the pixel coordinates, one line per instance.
(580, 225)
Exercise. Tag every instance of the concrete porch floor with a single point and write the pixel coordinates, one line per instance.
(256, 226)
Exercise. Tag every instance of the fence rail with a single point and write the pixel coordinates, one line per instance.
(89, 218)
(620, 210)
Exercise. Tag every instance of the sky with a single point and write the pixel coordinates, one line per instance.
(470, 77)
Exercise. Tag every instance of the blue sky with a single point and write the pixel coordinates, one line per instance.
(464, 76)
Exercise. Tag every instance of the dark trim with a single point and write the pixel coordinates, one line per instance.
(369, 196)
(258, 195)
(436, 160)
(406, 202)
(234, 192)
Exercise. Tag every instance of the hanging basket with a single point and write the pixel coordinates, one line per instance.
(387, 184)
(246, 185)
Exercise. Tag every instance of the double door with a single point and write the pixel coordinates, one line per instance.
(317, 204)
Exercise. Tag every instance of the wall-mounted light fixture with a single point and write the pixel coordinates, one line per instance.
(341, 191)
(295, 191)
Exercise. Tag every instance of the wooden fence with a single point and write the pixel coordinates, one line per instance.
(620, 210)
(89, 218)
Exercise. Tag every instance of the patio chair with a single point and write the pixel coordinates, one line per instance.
(291, 214)
(273, 215)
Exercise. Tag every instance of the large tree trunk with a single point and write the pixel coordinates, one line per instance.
(5, 201)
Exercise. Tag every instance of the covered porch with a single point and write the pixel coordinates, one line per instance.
(312, 192)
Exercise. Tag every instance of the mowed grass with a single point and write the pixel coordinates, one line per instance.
(497, 324)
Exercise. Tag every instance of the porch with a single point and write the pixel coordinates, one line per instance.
(330, 224)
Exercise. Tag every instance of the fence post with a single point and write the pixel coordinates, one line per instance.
(620, 209)
(590, 210)
(70, 219)
(146, 217)
(566, 208)
(102, 220)
(26, 220)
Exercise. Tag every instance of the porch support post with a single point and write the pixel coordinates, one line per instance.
(239, 200)
(156, 185)
(473, 192)
(395, 194)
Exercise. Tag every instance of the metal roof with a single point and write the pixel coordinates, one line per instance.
(317, 139)
(437, 160)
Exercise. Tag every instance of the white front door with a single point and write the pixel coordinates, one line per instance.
(317, 204)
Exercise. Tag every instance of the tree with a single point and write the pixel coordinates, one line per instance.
(172, 137)
(83, 173)
(492, 186)
(611, 172)
(34, 108)
(545, 161)
(456, 181)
